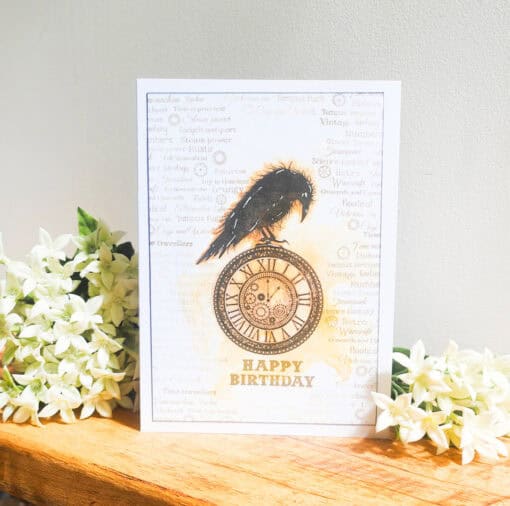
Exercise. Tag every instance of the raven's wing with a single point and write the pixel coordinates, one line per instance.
(248, 215)
(266, 202)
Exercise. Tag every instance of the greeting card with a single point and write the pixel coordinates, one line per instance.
(267, 253)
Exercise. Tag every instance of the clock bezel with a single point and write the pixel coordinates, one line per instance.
(316, 299)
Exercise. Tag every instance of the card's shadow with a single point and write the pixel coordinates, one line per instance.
(420, 450)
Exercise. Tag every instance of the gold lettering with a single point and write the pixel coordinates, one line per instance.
(273, 365)
(285, 365)
(261, 366)
(297, 365)
(297, 382)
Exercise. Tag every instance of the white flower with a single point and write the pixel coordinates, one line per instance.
(27, 406)
(49, 248)
(402, 413)
(110, 380)
(63, 399)
(121, 297)
(425, 375)
(42, 331)
(107, 266)
(60, 275)
(72, 367)
(4, 398)
(395, 412)
(7, 411)
(11, 286)
(67, 334)
(461, 398)
(97, 399)
(52, 329)
(77, 316)
(479, 433)
(86, 313)
(8, 320)
(104, 346)
(34, 374)
(413, 422)
(433, 424)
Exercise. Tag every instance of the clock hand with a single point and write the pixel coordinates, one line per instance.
(269, 298)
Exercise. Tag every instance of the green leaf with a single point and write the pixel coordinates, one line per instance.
(9, 350)
(405, 351)
(396, 367)
(131, 343)
(86, 223)
(9, 380)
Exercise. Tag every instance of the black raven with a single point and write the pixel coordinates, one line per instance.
(265, 203)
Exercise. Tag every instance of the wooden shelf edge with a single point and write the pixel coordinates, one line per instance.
(109, 462)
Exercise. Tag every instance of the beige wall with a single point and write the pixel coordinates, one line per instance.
(68, 124)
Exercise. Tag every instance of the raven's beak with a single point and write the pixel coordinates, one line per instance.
(304, 209)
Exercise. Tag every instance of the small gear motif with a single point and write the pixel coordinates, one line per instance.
(343, 253)
(260, 312)
(174, 119)
(339, 99)
(280, 311)
(200, 169)
(250, 298)
(219, 157)
(324, 171)
(353, 224)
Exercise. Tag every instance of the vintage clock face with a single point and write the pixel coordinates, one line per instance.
(268, 300)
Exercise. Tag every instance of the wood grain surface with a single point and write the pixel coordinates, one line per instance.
(109, 462)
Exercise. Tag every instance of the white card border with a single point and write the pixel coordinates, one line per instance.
(389, 212)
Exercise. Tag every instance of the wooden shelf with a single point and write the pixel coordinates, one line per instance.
(109, 462)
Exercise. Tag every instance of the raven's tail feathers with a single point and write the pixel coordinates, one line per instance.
(218, 246)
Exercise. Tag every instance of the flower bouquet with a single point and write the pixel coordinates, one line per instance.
(69, 326)
(460, 399)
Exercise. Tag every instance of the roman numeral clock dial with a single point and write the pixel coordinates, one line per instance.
(268, 300)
